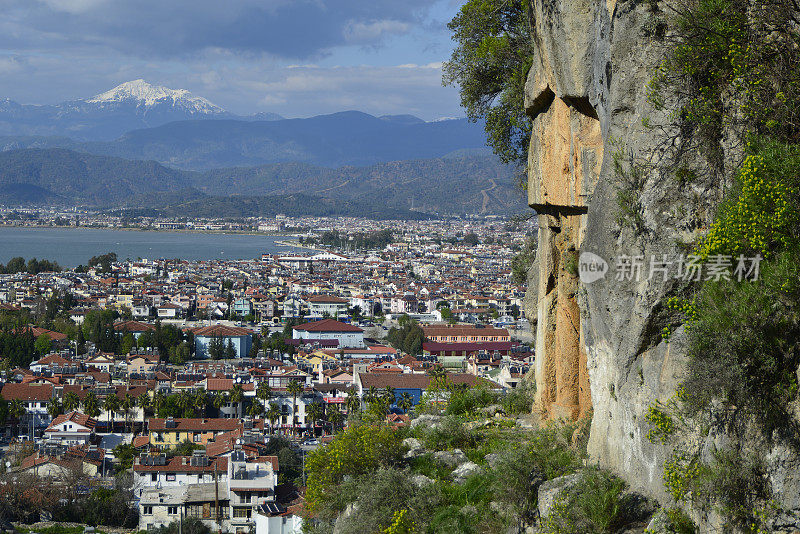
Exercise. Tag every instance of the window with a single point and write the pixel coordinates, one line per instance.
(196, 437)
(241, 512)
(153, 477)
(147, 510)
(172, 510)
(170, 477)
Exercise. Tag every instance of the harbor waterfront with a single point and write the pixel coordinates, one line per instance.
(71, 247)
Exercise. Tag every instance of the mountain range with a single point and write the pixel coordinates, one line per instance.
(129, 106)
(193, 150)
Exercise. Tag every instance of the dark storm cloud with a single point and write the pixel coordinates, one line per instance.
(293, 29)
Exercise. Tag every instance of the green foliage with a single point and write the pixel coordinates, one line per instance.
(520, 399)
(358, 450)
(408, 337)
(450, 433)
(662, 424)
(742, 346)
(522, 261)
(33, 266)
(124, 454)
(680, 471)
(595, 505)
(467, 402)
(190, 525)
(733, 63)
(494, 51)
(760, 215)
(679, 522)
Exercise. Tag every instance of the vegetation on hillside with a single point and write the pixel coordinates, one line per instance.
(734, 66)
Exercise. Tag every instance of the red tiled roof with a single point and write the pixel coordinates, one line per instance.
(133, 326)
(181, 464)
(76, 417)
(27, 392)
(221, 330)
(184, 424)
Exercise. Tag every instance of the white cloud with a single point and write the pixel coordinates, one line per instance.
(356, 32)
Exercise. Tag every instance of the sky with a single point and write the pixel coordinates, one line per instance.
(297, 58)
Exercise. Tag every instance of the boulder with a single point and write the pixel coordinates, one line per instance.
(451, 458)
(464, 471)
(421, 481)
(430, 421)
(550, 489)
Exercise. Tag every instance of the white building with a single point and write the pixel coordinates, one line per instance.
(346, 334)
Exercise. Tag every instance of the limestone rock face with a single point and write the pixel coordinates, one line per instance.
(598, 345)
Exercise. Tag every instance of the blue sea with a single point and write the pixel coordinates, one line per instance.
(71, 247)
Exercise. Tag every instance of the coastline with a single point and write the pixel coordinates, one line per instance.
(140, 229)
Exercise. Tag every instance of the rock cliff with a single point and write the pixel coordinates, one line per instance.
(598, 345)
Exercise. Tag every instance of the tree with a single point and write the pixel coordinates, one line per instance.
(230, 351)
(143, 401)
(216, 348)
(127, 405)
(471, 239)
(264, 392)
(16, 410)
(273, 414)
(91, 405)
(490, 64)
(406, 402)
(111, 404)
(71, 402)
(294, 388)
(127, 343)
(181, 354)
(43, 344)
(314, 412)
(335, 417)
(256, 409)
(185, 403)
(54, 408)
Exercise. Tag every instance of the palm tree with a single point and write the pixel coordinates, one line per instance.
(237, 394)
(159, 401)
(256, 409)
(438, 380)
(111, 405)
(54, 408)
(128, 404)
(71, 402)
(371, 395)
(389, 395)
(406, 402)
(91, 404)
(185, 402)
(315, 413)
(273, 414)
(219, 400)
(16, 410)
(294, 388)
(264, 392)
(143, 401)
(353, 401)
(335, 417)
(200, 401)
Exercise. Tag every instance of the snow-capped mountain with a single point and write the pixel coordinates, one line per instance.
(129, 106)
(143, 94)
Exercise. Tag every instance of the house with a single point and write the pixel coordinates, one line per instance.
(63, 465)
(34, 398)
(465, 334)
(168, 310)
(241, 338)
(413, 384)
(347, 335)
(327, 305)
(170, 432)
(73, 428)
(134, 327)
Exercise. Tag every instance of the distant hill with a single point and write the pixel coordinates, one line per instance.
(347, 138)
(447, 186)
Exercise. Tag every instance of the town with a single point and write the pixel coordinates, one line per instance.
(195, 389)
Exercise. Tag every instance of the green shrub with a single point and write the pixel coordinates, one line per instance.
(742, 346)
(595, 505)
(468, 402)
(449, 434)
(520, 399)
(679, 522)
